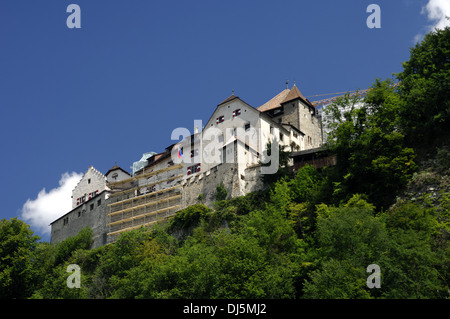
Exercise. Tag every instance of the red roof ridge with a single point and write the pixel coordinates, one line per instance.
(274, 102)
(228, 99)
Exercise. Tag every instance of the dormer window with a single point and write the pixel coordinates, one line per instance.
(220, 119)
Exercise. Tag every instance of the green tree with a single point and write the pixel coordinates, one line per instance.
(371, 151)
(351, 233)
(417, 261)
(283, 171)
(337, 279)
(308, 186)
(17, 244)
(347, 239)
(187, 219)
(83, 240)
(50, 265)
(425, 87)
(221, 192)
(409, 269)
(225, 265)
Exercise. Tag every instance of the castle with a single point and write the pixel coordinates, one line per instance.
(228, 149)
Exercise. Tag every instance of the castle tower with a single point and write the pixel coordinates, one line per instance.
(291, 108)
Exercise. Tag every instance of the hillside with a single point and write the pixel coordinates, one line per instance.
(281, 243)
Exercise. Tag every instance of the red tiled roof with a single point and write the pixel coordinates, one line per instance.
(284, 97)
(116, 167)
(294, 93)
(228, 99)
(274, 102)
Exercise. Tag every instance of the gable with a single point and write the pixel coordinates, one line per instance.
(117, 174)
(91, 184)
(226, 109)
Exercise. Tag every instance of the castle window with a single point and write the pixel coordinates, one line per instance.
(271, 130)
(79, 213)
(89, 180)
(91, 207)
(193, 169)
(247, 126)
(220, 119)
(236, 112)
(99, 202)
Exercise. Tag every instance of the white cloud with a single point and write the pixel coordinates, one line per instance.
(437, 12)
(48, 206)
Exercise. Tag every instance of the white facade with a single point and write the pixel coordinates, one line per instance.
(91, 184)
(116, 174)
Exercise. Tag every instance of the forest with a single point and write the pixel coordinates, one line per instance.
(309, 235)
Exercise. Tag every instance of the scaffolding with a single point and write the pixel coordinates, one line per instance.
(136, 202)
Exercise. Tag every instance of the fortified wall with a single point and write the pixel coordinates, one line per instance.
(133, 208)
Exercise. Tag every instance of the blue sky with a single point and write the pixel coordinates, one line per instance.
(117, 87)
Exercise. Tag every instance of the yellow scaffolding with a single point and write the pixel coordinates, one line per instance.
(133, 210)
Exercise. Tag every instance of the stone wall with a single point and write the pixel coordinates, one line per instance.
(235, 183)
(205, 183)
(90, 214)
(306, 119)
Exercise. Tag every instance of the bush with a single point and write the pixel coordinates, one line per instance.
(221, 192)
